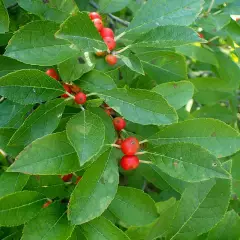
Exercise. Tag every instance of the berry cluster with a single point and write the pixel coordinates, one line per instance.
(129, 146)
(80, 97)
(108, 37)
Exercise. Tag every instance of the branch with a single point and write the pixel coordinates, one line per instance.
(210, 7)
(123, 22)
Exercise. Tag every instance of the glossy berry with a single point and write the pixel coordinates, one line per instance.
(67, 177)
(51, 72)
(78, 179)
(129, 162)
(80, 98)
(46, 204)
(130, 146)
(110, 42)
(107, 32)
(94, 15)
(100, 54)
(111, 59)
(119, 123)
(98, 24)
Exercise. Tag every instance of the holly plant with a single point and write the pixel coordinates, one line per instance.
(119, 120)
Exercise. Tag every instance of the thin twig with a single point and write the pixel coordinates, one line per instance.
(123, 22)
(212, 39)
(122, 50)
(210, 7)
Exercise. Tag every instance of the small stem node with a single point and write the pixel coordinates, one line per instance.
(115, 145)
(91, 94)
(144, 141)
(141, 153)
(145, 162)
(122, 50)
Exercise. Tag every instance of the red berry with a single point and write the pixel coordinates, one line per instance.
(111, 59)
(80, 98)
(52, 73)
(119, 123)
(94, 15)
(129, 162)
(67, 177)
(110, 42)
(130, 146)
(46, 204)
(98, 24)
(107, 32)
(200, 35)
(78, 179)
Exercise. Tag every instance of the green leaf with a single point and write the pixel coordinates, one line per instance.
(133, 207)
(96, 189)
(228, 228)
(12, 114)
(86, 132)
(50, 155)
(56, 10)
(156, 13)
(19, 207)
(73, 68)
(40, 48)
(187, 162)
(110, 132)
(164, 205)
(49, 186)
(29, 86)
(4, 18)
(232, 31)
(82, 4)
(213, 23)
(12, 182)
(109, 6)
(78, 232)
(209, 133)
(41, 122)
(51, 223)
(140, 106)
(167, 37)
(198, 53)
(228, 70)
(215, 111)
(102, 229)
(8, 65)
(164, 66)
(5, 135)
(96, 81)
(133, 62)
(153, 175)
(211, 90)
(202, 205)
(176, 93)
(85, 35)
